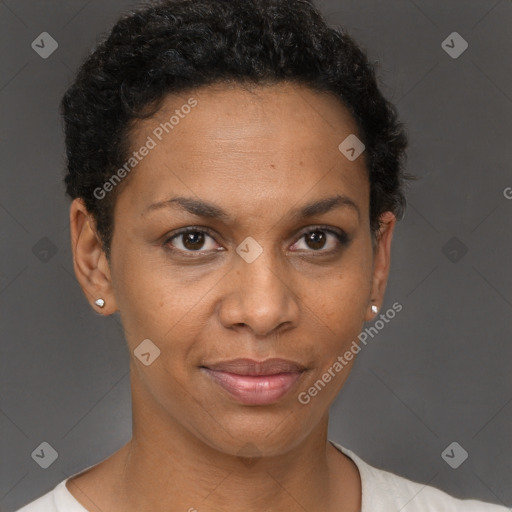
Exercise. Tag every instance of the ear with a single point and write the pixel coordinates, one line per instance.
(89, 260)
(381, 262)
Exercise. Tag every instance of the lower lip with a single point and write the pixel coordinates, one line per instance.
(255, 390)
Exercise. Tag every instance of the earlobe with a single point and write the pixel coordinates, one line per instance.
(89, 260)
(381, 264)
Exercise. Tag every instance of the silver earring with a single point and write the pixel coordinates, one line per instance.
(375, 309)
(99, 302)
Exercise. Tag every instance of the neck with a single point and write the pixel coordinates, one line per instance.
(166, 468)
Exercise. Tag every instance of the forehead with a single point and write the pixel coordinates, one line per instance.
(248, 110)
(231, 141)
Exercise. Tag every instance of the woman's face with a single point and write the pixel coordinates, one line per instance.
(279, 263)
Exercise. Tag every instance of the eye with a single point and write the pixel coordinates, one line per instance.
(322, 240)
(192, 240)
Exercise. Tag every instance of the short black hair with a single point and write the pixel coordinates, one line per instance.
(174, 46)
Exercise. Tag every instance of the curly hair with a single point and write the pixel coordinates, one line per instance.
(177, 45)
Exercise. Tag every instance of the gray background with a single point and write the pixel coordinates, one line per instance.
(438, 372)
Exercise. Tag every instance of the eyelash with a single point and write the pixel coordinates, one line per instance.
(341, 237)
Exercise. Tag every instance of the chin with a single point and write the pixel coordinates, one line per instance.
(250, 435)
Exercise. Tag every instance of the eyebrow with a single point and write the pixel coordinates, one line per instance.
(211, 211)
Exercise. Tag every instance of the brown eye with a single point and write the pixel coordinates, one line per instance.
(193, 241)
(322, 240)
(315, 239)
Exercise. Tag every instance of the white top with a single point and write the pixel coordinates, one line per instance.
(382, 491)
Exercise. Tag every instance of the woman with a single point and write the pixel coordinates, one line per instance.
(236, 178)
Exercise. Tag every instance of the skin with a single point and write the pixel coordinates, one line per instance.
(258, 154)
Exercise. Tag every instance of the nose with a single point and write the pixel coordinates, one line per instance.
(260, 297)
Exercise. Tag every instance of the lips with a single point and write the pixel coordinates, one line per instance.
(255, 382)
(250, 367)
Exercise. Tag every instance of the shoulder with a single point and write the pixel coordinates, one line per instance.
(388, 492)
(57, 500)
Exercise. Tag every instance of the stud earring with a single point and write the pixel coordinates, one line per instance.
(99, 302)
(375, 309)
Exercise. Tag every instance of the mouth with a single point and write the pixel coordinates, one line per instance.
(255, 382)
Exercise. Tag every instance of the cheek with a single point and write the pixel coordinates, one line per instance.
(155, 302)
(342, 315)
(341, 299)
(142, 297)
(340, 305)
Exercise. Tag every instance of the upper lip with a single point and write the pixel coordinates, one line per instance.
(252, 367)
